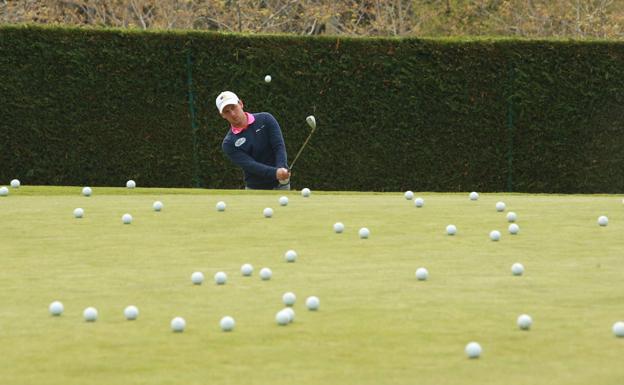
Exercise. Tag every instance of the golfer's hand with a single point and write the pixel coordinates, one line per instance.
(282, 174)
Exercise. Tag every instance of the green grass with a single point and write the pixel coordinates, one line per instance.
(376, 325)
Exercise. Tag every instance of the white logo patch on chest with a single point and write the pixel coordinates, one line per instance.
(239, 142)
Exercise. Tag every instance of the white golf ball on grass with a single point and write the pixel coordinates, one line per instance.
(157, 206)
(78, 213)
(56, 308)
(603, 220)
(131, 312)
(220, 278)
(197, 278)
(313, 303)
(306, 192)
(246, 270)
(473, 350)
(90, 314)
(419, 202)
(130, 184)
(422, 274)
(268, 212)
(511, 216)
(338, 227)
(500, 206)
(291, 314)
(266, 274)
(524, 322)
(517, 269)
(290, 256)
(514, 229)
(4, 191)
(227, 324)
(86, 191)
(618, 329)
(283, 201)
(282, 318)
(126, 219)
(15, 183)
(409, 195)
(474, 196)
(289, 298)
(220, 206)
(364, 233)
(495, 235)
(451, 230)
(178, 324)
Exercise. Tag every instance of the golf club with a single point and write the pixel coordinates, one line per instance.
(312, 123)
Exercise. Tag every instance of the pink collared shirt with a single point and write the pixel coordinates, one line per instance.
(250, 120)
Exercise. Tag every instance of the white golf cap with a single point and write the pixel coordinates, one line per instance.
(225, 98)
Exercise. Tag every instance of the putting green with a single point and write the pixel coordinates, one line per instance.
(376, 324)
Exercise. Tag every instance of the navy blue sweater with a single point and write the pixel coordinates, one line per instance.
(259, 150)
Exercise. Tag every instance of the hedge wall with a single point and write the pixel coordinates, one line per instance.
(98, 107)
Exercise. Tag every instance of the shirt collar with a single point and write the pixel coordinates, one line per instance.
(250, 120)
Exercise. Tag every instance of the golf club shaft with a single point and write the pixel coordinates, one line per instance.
(301, 149)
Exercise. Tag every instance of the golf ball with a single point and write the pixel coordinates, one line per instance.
(4, 191)
(289, 298)
(419, 202)
(15, 183)
(265, 273)
(157, 206)
(291, 314)
(524, 322)
(220, 278)
(473, 350)
(268, 212)
(126, 219)
(422, 274)
(130, 184)
(474, 196)
(220, 206)
(246, 270)
(290, 256)
(364, 233)
(282, 318)
(227, 324)
(305, 192)
(90, 314)
(451, 230)
(56, 308)
(131, 312)
(267, 78)
(78, 213)
(603, 220)
(409, 195)
(178, 324)
(511, 216)
(514, 229)
(312, 303)
(197, 278)
(86, 191)
(283, 201)
(338, 227)
(500, 206)
(517, 269)
(495, 235)
(618, 329)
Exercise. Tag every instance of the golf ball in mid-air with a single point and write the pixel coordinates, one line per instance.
(364, 233)
(267, 78)
(603, 220)
(265, 273)
(422, 274)
(86, 191)
(130, 184)
(220, 278)
(511, 216)
(474, 196)
(4, 191)
(283, 201)
(305, 192)
(157, 206)
(126, 219)
(268, 212)
(290, 256)
(524, 322)
(618, 329)
(15, 183)
(451, 230)
(409, 195)
(56, 308)
(197, 278)
(246, 270)
(289, 298)
(131, 312)
(90, 314)
(282, 318)
(338, 227)
(419, 202)
(313, 303)
(495, 235)
(178, 324)
(78, 213)
(227, 324)
(514, 229)
(220, 206)
(500, 206)
(473, 350)
(517, 269)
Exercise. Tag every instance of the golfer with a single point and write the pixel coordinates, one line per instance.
(254, 142)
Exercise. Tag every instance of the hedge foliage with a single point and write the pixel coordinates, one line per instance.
(98, 107)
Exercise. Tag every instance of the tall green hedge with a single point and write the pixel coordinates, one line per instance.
(99, 107)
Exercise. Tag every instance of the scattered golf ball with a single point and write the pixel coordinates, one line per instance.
(283, 201)
(409, 195)
(291, 314)
(268, 212)
(15, 183)
(282, 318)
(312, 303)
(4, 191)
(220, 206)
(603, 220)
(56, 308)
(419, 202)
(473, 350)
(197, 278)
(422, 274)
(514, 229)
(451, 230)
(474, 196)
(126, 219)
(130, 184)
(78, 213)
(246, 270)
(178, 324)
(90, 314)
(86, 191)
(131, 312)
(227, 324)
(364, 233)
(267, 78)
(305, 192)
(524, 322)
(338, 227)
(290, 256)
(289, 298)
(495, 235)
(517, 269)
(618, 329)
(157, 206)
(220, 278)
(265, 273)
(511, 216)
(500, 206)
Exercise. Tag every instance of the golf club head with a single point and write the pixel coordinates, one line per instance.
(311, 121)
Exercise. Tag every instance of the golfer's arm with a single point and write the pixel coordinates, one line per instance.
(249, 164)
(277, 143)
